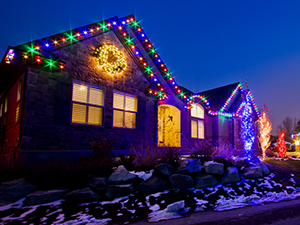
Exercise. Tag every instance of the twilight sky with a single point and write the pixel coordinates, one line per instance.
(206, 44)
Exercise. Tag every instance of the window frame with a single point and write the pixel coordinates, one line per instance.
(198, 119)
(124, 94)
(87, 104)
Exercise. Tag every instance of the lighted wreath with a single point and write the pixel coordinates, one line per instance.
(110, 59)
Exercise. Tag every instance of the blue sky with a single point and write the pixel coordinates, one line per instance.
(206, 44)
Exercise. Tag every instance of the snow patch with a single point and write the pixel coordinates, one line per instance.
(171, 212)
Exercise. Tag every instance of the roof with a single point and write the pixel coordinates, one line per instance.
(223, 101)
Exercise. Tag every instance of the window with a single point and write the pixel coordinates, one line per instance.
(125, 109)
(18, 102)
(87, 104)
(197, 121)
(5, 105)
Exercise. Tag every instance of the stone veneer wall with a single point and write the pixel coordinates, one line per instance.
(42, 132)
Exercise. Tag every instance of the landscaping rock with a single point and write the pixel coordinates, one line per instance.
(181, 181)
(121, 176)
(225, 162)
(264, 168)
(41, 197)
(241, 162)
(231, 175)
(214, 167)
(163, 171)
(203, 181)
(120, 190)
(82, 195)
(252, 172)
(14, 190)
(188, 166)
(152, 185)
(98, 184)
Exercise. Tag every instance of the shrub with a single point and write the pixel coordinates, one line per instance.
(224, 150)
(128, 160)
(102, 148)
(270, 153)
(203, 148)
(146, 155)
(10, 171)
(170, 155)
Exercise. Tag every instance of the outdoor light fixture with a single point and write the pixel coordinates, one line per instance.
(296, 142)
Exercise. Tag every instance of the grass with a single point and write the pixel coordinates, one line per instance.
(283, 168)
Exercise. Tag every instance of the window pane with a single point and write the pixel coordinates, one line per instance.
(193, 111)
(5, 105)
(95, 115)
(129, 120)
(194, 129)
(79, 113)
(197, 111)
(80, 93)
(130, 103)
(200, 129)
(96, 96)
(118, 118)
(19, 91)
(118, 101)
(17, 112)
(200, 112)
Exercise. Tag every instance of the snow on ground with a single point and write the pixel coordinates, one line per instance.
(142, 174)
(169, 204)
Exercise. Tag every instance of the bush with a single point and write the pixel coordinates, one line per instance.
(224, 150)
(270, 153)
(102, 148)
(170, 155)
(146, 155)
(10, 171)
(203, 148)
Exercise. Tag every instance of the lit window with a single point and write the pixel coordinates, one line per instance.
(197, 121)
(5, 105)
(19, 91)
(87, 104)
(197, 111)
(17, 112)
(18, 102)
(125, 109)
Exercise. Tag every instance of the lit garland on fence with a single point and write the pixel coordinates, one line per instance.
(111, 59)
(247, 129)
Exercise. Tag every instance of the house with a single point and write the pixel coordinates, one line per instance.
(106, 79)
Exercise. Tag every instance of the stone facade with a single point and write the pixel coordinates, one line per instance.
(42, 132)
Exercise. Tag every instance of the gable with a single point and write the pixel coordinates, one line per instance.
(45, 54)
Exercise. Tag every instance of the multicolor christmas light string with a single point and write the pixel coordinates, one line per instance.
(35, 54)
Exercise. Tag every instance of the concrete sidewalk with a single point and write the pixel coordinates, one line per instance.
(287, 212)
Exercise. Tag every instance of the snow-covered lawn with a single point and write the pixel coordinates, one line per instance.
(155, 207)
